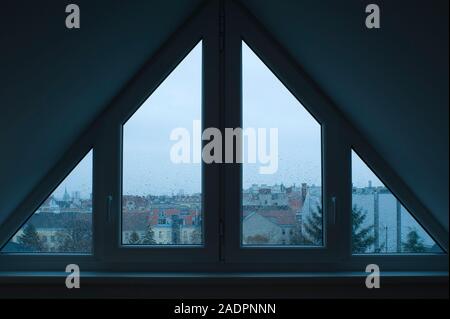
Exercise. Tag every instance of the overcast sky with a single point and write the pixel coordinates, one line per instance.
(176, 103)
(80, 179)
(268, 104)
(361, 174)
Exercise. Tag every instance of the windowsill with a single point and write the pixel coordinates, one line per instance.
(11, 276)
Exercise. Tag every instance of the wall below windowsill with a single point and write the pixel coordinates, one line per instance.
(224, 285)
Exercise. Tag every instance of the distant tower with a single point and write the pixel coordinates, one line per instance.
(399, 227)
(376, 219)
(76, 195)
(370, 184)
(66, 196)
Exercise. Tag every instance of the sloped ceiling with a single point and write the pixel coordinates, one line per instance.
(392, 83)
(55, 81)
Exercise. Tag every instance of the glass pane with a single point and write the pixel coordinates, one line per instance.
(282, 193)
(381, 224)
(161, 203)
(63, 222)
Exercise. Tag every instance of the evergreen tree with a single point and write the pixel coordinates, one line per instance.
(413, 244)
(134, 238)
(362, 237)
(297, 236)
(30, 239)
(312, 234)
(196, 237)
(149, 236)
(76, 237)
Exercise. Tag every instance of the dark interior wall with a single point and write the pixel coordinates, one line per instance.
(55, 81)
(225, 287)
(392, 83)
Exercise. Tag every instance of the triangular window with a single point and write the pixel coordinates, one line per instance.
(63, 222)
(380, 223)
(282, 162)
(161, 202)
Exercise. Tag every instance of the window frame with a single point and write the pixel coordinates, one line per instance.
(402, 261)
(202, 29)
(339, 136)
(237, 32)
(57, 184)
(222, 25)
(56, 176)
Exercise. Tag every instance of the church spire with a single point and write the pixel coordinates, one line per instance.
(66, 196)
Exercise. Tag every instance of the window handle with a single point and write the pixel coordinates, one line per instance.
(333, 210)
(108, 207)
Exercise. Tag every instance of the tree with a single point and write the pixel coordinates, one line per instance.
(76, 237)
(413, 243)
(312, 234)
(149, 236)
(297, 236)
(30, 239)
(196, 237)
(177, 222)
(134, 238)
(362, 237)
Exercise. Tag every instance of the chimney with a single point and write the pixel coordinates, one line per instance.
(304, 190)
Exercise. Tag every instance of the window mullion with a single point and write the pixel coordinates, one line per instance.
(211, 117)
(337, 185)
(232, 118)
(107, 186)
